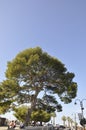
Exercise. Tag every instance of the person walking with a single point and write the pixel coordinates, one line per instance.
(12, 124)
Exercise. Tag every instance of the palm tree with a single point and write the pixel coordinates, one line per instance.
(53, 114)
(64, 120)
(69, 121)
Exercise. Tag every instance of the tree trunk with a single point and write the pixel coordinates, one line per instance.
(28, 116)
(33, 105)
(40, 123)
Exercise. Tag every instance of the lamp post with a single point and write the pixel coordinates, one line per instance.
(81, 105)
(82, 108)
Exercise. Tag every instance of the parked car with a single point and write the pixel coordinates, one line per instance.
(60, 127)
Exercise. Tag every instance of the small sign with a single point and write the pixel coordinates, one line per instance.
(80, 116)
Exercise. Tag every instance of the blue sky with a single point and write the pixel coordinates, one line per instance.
(57, 26)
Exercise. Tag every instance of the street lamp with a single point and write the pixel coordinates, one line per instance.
(82, 108)
(82, 120)
(81, 105)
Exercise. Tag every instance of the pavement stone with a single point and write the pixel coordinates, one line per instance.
(6, 128)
